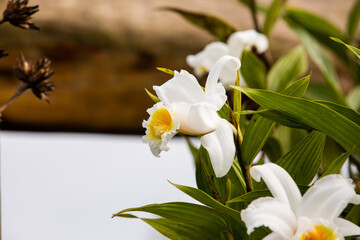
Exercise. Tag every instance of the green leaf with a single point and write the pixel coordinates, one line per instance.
(332, 151)
(284, 119)
(204, 198)
(321, 59)
(260, 128)
(319, 28)
(182, 231)
(272, 149)
(152, 96)
(165, 70)
(337, 164)
(320, 91)
(251, 196)
(275, 10)
(224, 112)
(205, 177)
(353, 19)
(355, 50)
(182, 212)
(312, 114)
(288, 137)
(236, 177)
(287, 69)
(194, 150)
(183, 220)
(354, 215)
(211, 24)
(303, 161)
(345, 111)
(237, 99)
(353, 98)
(253, 70)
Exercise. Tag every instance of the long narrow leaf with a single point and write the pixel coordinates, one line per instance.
(322, 60)
(260, 128)
(275, 10)
(319, 28)
(183, 220)
(303, 161)
(337, 164)
(204, 198)
(253, 70)
(353, 19)
(287, 69)
(315, 115)
(182, 231)
(183, 212)
(353, 98)
(345, 111)
(355, 50)
(215, 26)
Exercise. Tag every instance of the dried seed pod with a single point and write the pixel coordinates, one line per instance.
(19, 14)
(36, 76)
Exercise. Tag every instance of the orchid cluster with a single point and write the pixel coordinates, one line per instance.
(301, 191)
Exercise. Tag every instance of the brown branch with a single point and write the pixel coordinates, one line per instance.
(20, 91)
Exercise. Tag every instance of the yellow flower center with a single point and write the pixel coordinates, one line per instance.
(161, 122)
(203, 69)
(321, 233)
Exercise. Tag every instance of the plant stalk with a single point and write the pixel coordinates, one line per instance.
(253, 15)
(20, 91)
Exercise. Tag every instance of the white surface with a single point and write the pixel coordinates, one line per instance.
(67, 186)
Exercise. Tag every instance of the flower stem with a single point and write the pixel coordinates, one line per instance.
(20, 91)
(253, 15)
(245, 169)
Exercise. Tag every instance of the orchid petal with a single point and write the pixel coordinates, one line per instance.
(196, 119)
(308, 227)
(272, 236)
(279, 182)
(221, 148)
(161, 126)
(217, 97)
(183, 87)
(346, 227)
(231, 64)
(270, 212)
(239, 41)
(328, 197)
(203, 61)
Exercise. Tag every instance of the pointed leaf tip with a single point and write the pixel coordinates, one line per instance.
(152, 96)
(165, 70)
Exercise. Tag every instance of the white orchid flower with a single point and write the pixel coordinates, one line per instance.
(291, 216)
(185, 107)
(203, 61)
(246, 40)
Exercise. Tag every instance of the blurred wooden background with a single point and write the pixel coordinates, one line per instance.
(104, 53)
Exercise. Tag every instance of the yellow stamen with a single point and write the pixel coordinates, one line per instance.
(203, 69)
(321, 233)
(161, 122)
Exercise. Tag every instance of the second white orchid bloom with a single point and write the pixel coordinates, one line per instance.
(185, 107)
(291, 216)
(203, 61)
